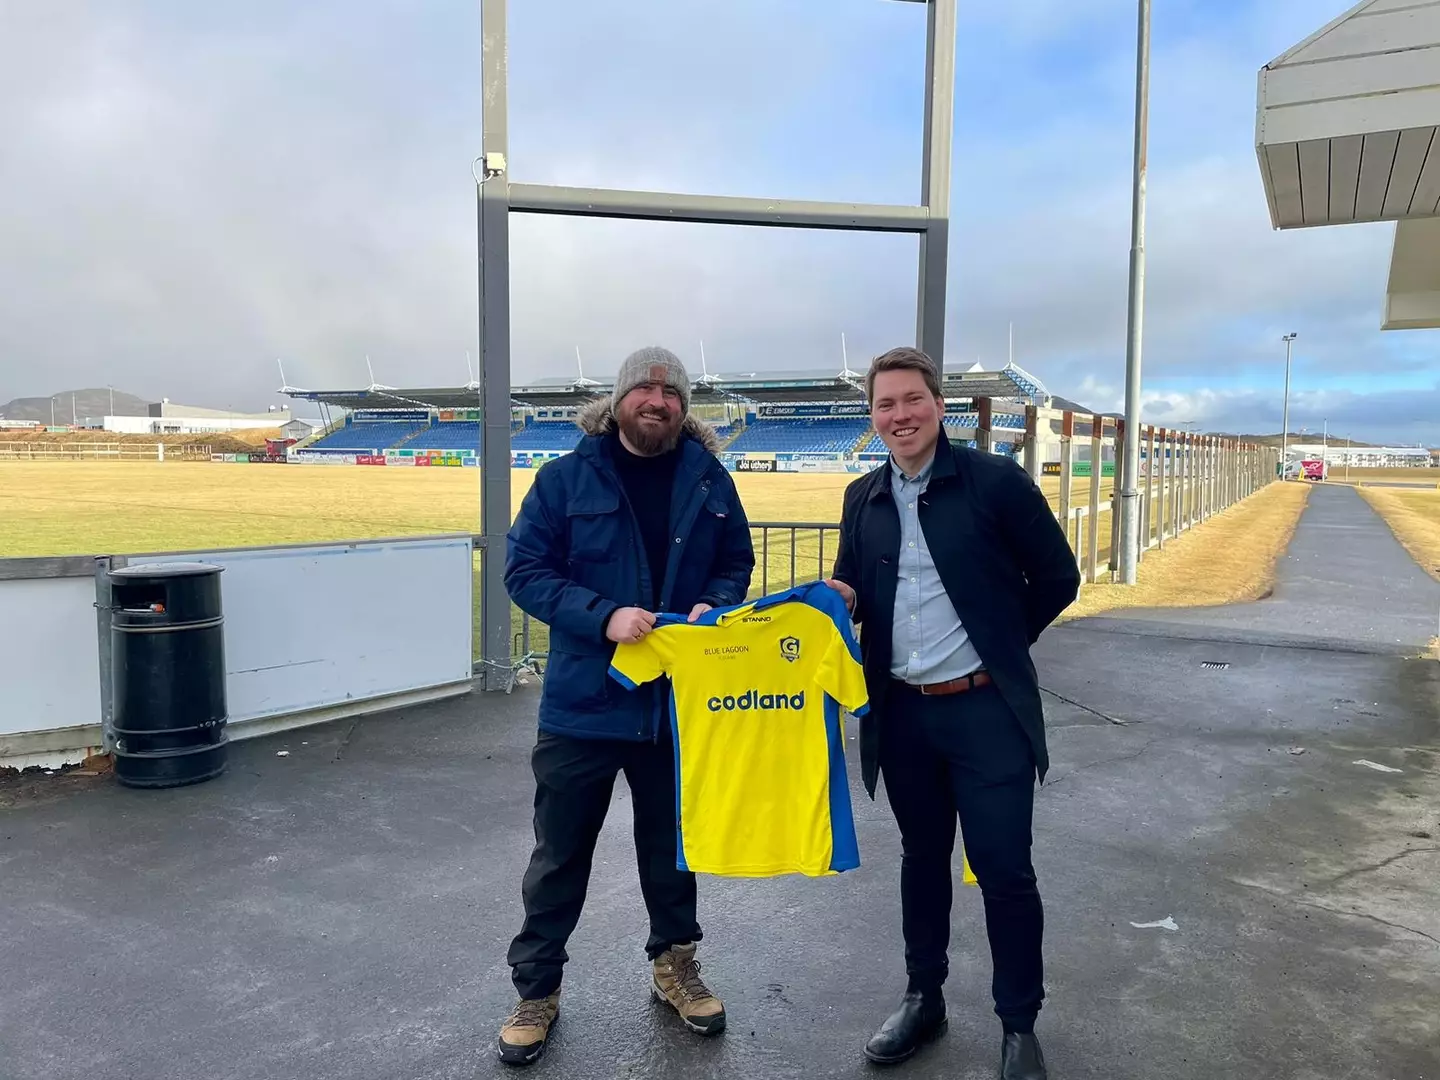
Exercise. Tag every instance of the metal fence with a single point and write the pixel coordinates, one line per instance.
(1185, 480)
(46, 450)
(787, 553)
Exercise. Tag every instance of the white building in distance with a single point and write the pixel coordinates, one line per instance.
(1361, 457)
(166, 418)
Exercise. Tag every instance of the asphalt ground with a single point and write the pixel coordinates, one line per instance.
(344, 910)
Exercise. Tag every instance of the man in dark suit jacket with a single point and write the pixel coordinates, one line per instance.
(952, 562)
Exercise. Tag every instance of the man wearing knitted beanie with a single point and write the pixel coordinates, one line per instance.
(641, 518)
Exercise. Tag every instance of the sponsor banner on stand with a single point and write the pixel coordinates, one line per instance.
(529, 459)
(308, 457)
(831, 465)
(391, 414)
(780, 412)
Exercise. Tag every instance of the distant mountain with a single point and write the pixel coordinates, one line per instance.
(76, 403)
(1307, 438)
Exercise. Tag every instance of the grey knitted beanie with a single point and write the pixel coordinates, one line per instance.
(650, 364)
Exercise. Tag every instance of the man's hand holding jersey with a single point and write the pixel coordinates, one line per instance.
(846, 593)
(631, 624)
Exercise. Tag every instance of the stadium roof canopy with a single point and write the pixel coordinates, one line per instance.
(1348, 130)
(1010, 383)
(1346, 120)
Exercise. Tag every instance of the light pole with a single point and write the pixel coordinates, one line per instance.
(1130, 467)
(1285, 423)
(1325, 448)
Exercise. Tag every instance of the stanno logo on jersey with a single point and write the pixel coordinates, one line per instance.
(753, 699)
(790, 648)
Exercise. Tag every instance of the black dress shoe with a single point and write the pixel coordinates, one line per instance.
(1021, 1059)
(920, 1018)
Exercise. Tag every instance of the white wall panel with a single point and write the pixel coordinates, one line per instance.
(313, 627)
(1370, 114)
(1344, 176)
(1409, 160)
(1376, 161)
(1426, 199)
(49, 660)
(1375, 31)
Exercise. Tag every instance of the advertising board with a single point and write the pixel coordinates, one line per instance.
(833, 465)
(313, 457)
(392, 414)
(796, 412)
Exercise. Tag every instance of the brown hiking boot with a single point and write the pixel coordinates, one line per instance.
(678, 983)
(523, 1035)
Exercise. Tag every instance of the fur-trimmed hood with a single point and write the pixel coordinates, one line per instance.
(597, 418)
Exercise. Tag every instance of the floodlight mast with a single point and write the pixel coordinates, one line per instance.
(1130, 526)
(1289, 340)
(498, 197)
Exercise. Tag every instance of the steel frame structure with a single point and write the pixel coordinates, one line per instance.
(498, 198)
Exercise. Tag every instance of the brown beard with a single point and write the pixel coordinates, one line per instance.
(649, 441)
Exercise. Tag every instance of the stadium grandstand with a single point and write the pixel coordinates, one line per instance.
(784, 422)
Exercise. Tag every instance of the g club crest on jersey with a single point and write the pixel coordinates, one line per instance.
(790, 648)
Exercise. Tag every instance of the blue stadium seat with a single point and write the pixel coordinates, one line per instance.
(546, 435)
(368, 436)
(820, 436)
(961, 427)
(450, 435)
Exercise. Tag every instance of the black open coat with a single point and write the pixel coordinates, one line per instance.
(1002, 557)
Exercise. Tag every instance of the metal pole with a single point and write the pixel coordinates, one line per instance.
(493, 225)
(715, 209)
(1285, 422)
(935, 176)
(1129, 500)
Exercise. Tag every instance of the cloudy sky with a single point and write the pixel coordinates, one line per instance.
(193, 190)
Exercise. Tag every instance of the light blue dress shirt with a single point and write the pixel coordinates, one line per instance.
(931, 645)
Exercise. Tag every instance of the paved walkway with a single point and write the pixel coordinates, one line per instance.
(343, 912)
(1345, 583)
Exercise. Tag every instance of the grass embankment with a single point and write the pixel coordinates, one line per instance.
(73, 444)
(1229, 559)
(1422, 478)
(1414, 518)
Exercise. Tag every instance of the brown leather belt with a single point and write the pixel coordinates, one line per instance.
(953, 686)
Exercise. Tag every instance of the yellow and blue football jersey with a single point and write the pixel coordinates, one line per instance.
(757, 690)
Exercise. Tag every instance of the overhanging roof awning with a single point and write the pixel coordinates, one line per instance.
(1346, 125)
(1010, 383)
(1412, 297)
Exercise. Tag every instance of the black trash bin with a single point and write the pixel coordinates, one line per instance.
(167, 635)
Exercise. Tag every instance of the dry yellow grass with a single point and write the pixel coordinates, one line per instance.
(1414, 518)
(1229, 559)
(1425, 478)
(221, 442)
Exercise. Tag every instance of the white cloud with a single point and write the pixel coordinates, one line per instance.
(195, 190)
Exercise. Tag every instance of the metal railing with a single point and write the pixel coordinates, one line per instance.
(787, 554)
(55, 450)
